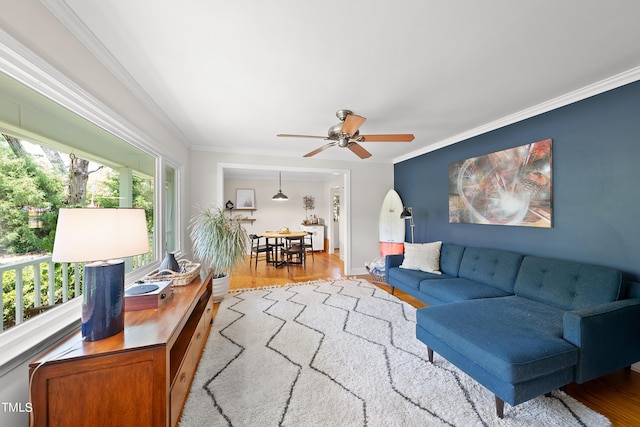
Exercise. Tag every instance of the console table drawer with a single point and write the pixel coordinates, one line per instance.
(182, 383)
(181, 387)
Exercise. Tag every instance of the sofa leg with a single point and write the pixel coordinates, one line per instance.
(430, 354)
(392, 290)
(499, 407)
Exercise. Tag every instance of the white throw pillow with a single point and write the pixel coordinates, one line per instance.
(422, 256)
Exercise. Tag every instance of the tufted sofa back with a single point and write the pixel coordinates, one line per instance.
(492, 267)
(450, 257)
(567, 285)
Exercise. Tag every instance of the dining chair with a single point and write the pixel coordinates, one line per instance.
(308, 245)
(276, 245)
(294, 251)
(258, 248)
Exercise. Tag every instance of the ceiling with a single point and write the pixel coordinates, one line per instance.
(229, 76)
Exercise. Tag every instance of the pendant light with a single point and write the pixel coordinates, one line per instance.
(280, 196)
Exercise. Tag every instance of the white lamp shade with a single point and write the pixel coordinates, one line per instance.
(90, 234)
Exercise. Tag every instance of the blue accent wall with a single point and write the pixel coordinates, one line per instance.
(596, 184)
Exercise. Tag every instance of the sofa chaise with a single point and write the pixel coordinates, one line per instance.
(522, 326)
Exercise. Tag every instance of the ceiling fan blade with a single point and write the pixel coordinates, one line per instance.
(318, 150)
(301, 136)
(352, 123)
(399, 137)
(358, 150)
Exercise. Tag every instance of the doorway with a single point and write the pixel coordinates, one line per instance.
(253, 171)
(335, 226)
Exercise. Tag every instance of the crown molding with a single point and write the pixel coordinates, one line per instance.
(76, 26)
(21, 64)
(599, 87)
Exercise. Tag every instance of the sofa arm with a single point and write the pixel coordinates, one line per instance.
(391, 261)
(606, 335)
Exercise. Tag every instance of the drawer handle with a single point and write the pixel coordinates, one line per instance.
(183, 377)
(198, 335)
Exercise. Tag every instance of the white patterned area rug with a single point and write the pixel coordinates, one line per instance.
(342, 353)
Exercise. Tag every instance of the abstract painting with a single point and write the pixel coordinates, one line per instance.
(509, 187)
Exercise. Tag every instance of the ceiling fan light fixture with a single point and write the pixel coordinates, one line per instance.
(280, 196)
(334, 131)
(343, 141)
(342, 114)
(346, 134)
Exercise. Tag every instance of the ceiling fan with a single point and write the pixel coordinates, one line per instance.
(347, 134)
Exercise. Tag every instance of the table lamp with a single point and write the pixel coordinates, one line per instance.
(101, 237)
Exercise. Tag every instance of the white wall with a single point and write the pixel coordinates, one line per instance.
(15, 390)
(274, 215)
(369, 183)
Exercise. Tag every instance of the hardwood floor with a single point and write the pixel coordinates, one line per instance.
(617, 395)
(321, 266)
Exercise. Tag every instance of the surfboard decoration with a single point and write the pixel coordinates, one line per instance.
(392, 227)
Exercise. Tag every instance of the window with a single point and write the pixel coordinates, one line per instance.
(36, 182)
(171, 224)
(60, 159)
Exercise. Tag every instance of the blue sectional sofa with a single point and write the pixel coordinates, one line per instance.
(522, 326)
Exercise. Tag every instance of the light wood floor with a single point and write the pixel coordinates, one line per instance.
(617, 395)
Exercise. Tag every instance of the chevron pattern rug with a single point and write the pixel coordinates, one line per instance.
(342, 353)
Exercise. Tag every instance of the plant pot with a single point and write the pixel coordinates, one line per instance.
(220, 287)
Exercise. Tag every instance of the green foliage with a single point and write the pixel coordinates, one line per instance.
(24, 184)
(142, 193)
(218, 241)
(28, 289)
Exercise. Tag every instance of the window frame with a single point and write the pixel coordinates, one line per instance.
(22, 342)
(177, 199)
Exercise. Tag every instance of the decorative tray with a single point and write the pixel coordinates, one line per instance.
(188, 272)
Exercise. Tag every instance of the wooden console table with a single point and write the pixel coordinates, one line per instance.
(139, 377)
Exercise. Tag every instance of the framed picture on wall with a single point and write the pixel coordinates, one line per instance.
(245, 198)
(508, 187)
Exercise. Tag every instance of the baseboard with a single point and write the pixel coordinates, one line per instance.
(358, 271)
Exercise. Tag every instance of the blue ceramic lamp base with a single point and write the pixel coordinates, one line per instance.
(103, 300)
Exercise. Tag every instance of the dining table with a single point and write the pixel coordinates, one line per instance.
(279, 235)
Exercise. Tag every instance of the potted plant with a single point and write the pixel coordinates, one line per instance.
(220, 243)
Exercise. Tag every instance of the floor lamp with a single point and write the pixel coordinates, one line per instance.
(101, 237)
(407, 213)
